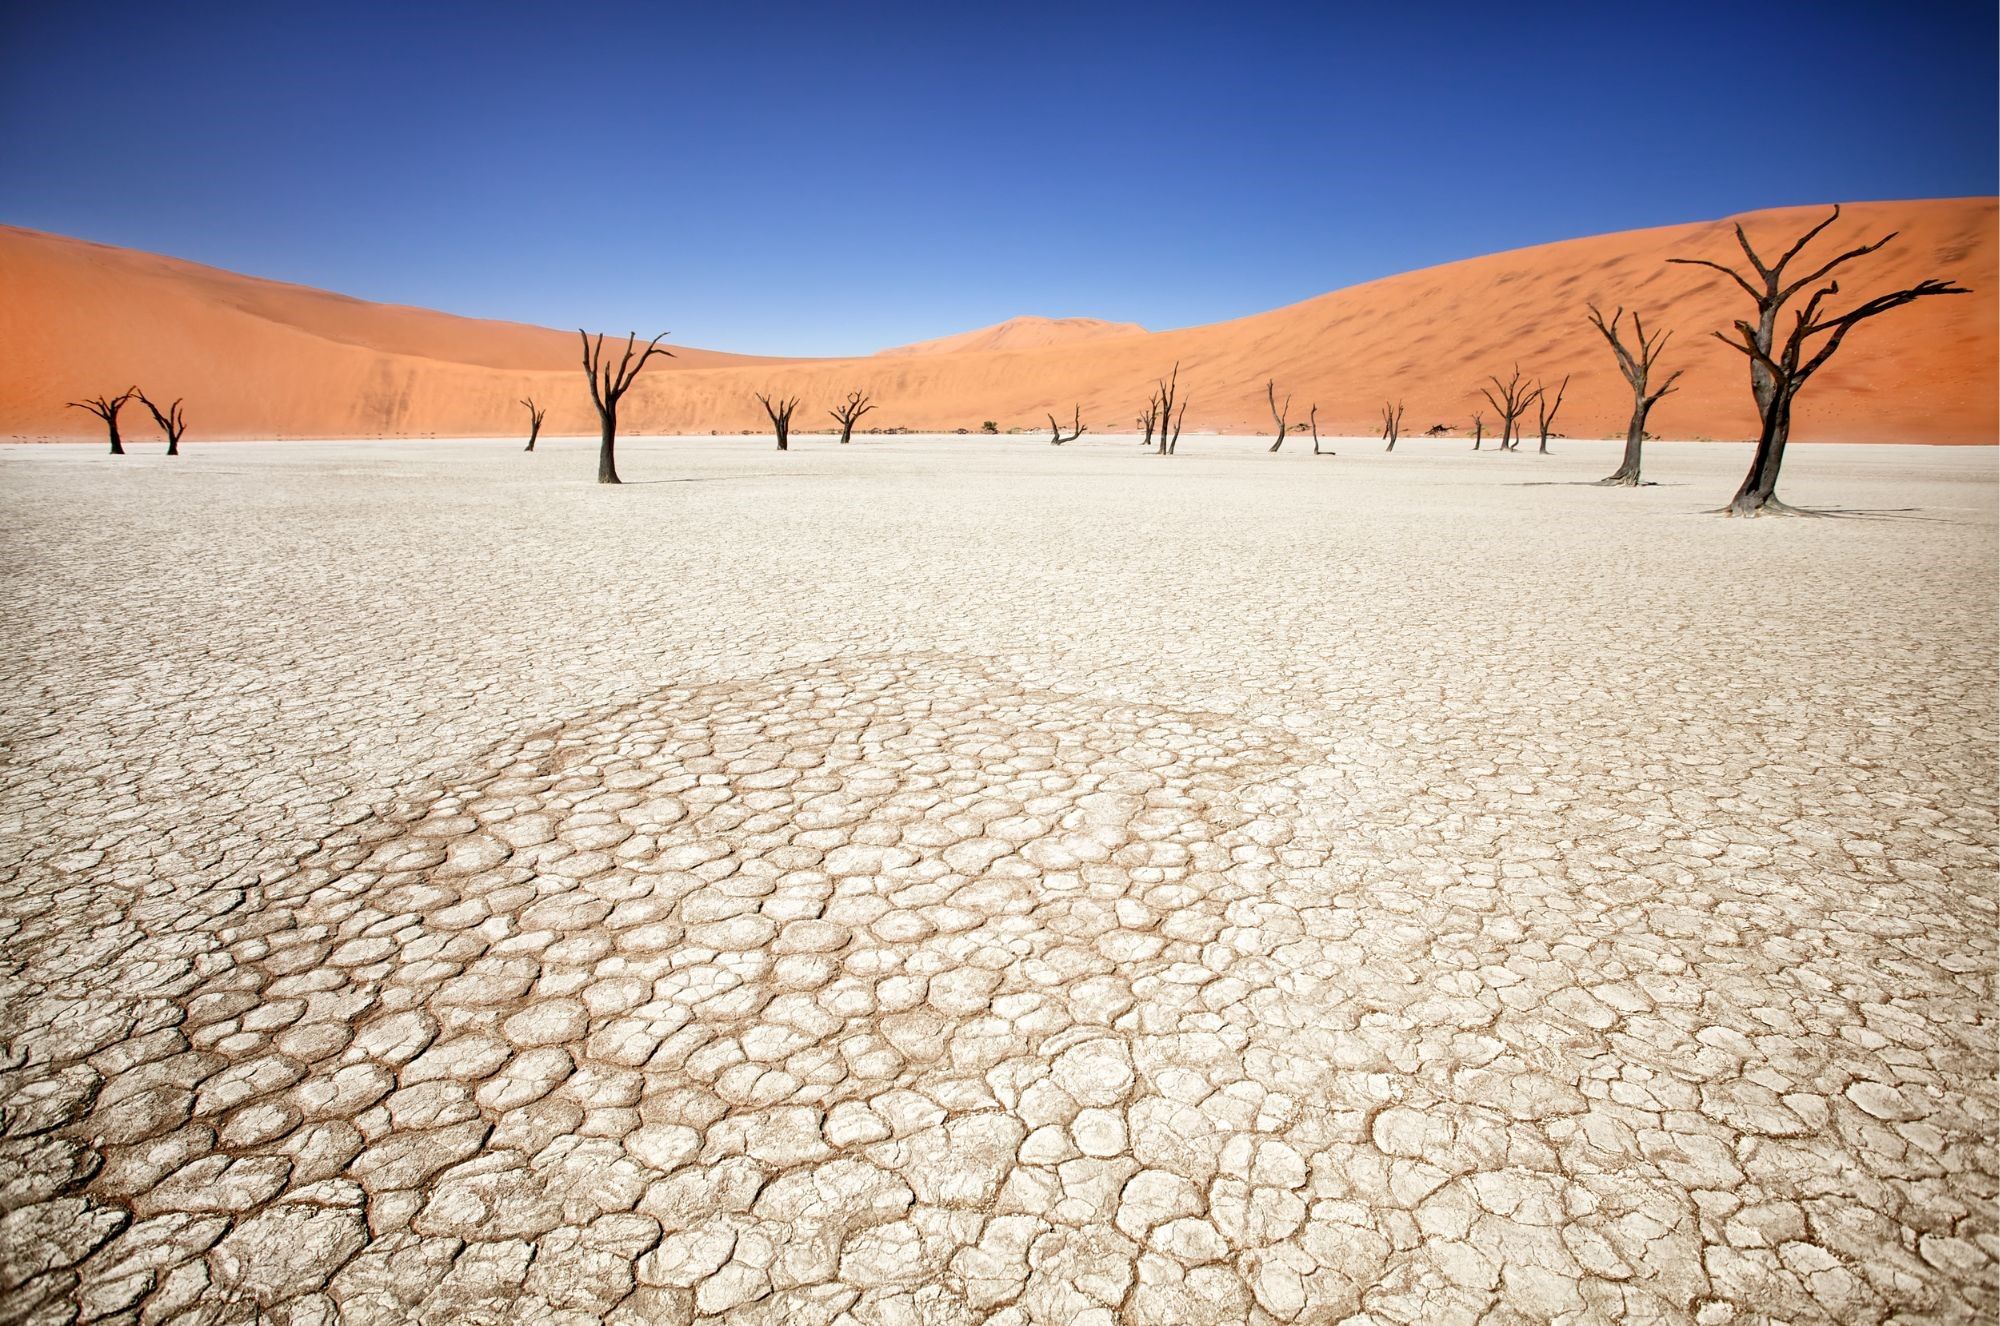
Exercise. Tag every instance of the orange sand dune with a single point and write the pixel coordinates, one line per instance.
(1026, 333)
(259, 359)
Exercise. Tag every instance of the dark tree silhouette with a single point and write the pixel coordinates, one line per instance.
(1076, 428)
(1478, 430)
(1546, 411)
(852, 409)
(107, 408)
(1771, 292)
(1392, 423)
(1313, 420)
(535, 413)
(608, 386)
(1180, 417)
(1164, 395)
(1777, 373)
(1512, 402)
(1278, 412)
(1437, 430)
(172, 421)
(1148, 420)
(1638, 370)
(1790, 369)
(780, 411)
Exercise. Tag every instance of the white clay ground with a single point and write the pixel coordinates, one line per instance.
(953, 880)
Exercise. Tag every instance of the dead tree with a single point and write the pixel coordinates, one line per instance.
(1638, 370)
(1392, 422)
(1775, 380)
(1313, 420)
(1164, 395)
(171, 420)
(1076, 428)
(535, 413)
(608, 386)
(1512, 402)
(1278, 412)
(1547, 411)
(1437, 430)
(1771, 292)
(1147, 420)
(855, 406)
(107, 409)
(1478, 430)
(1174, 444)
(1791, 368)
(780, 411)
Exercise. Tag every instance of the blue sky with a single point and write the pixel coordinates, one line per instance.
(821, 179)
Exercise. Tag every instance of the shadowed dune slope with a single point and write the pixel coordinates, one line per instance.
(258, 358)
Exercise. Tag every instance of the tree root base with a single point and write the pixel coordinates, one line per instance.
(1771, 506)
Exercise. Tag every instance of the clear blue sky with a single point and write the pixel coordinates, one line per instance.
(833, 178)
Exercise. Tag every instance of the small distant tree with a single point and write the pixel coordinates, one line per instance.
(608, 386)
(781, 411)
(1076, 428)
(1278, 412)
(1547, 411)
(1312, 421)
(171, 420)
(535, 413)
(1392, 422)
(1438, 430)
(1165, 393)
(989, 427)
(848, 412)
(107, 408)
(1478, 429)
(1511, 403)
(1638, 370)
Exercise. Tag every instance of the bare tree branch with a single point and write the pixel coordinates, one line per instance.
(1076, 430)
(1278, 413)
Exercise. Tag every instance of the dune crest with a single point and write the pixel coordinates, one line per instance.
(257, 358)
(1023, 333)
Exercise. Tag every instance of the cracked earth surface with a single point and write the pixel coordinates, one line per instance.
(959, 880)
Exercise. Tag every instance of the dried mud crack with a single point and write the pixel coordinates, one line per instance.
(909, 985)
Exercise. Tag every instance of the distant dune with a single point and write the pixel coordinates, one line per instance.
(1025, 333)
(258, 358)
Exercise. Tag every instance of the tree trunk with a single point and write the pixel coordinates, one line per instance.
(534, 431)
(1544, 448)
(784, 432)
(1627, 475)
(1761, 483)
(846, 430)
(173, 445)
(117, 443)
(607, 464)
